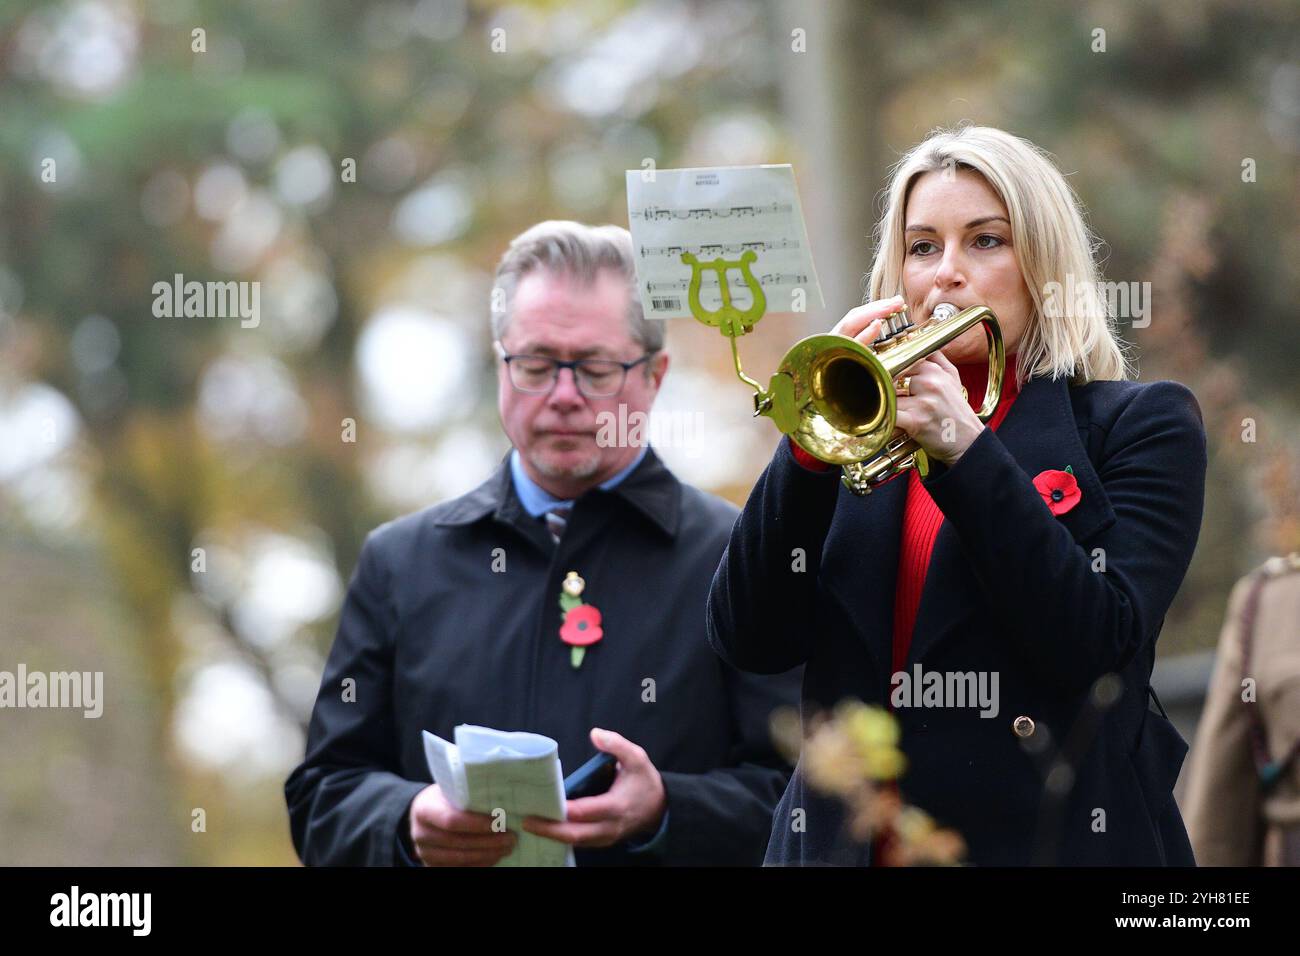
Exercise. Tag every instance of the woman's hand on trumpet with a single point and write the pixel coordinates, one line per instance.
(933, 410)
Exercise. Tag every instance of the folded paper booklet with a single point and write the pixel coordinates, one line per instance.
(508, 774)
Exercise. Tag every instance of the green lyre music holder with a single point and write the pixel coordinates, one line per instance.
(777, 400)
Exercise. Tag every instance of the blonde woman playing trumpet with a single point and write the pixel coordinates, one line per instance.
(1006, 606)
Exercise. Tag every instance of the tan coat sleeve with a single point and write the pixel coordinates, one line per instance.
(1222, 808)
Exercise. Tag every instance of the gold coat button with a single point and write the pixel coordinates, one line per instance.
(1023, 726)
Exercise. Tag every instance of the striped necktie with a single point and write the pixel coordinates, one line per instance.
(556, 520)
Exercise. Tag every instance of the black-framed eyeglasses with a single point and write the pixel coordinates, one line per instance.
(596, 378)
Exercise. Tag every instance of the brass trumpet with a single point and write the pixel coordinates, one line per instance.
(836, 397)
(843, 395)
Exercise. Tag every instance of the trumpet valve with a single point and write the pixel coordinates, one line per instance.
(894, 326)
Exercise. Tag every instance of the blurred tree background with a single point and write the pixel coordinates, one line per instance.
(181, 503)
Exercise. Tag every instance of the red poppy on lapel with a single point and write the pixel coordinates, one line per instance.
(1059, 489)
(581, 626)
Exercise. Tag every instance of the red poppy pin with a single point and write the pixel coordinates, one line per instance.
(1059, 489)
(581, 627)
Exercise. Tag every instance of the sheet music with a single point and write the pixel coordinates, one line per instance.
(486, 770)
(719, 212)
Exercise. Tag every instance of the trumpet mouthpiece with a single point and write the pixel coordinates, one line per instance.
(942, 311)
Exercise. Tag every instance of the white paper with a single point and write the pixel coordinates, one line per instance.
(487, 770)
(719, 212)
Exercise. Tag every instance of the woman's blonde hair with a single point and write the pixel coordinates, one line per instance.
(1070, 333)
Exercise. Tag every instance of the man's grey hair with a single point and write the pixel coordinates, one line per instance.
(578, 251)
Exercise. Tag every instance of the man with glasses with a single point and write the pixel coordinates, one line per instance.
(563, 596)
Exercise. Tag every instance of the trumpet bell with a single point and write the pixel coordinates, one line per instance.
(844, 396)
(836, 397)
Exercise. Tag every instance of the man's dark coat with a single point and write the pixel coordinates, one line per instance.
(453, 616)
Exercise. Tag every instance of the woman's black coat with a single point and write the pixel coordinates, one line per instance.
(1011, 588)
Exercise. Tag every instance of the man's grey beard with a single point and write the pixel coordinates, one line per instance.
(580, 471)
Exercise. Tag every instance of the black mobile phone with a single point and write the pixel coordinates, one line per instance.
(593, 777)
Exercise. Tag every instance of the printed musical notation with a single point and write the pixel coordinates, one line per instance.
(715, 249)
(720, 213)
(659, 213)
(734, 281)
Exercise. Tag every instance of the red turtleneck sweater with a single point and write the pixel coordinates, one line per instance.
(922, 517)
